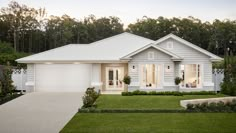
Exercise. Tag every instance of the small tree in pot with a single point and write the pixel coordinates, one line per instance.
(177, 82)
(127, 80)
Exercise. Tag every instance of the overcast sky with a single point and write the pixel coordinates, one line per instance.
(130, 10)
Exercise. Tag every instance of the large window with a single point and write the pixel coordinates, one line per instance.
(150, 75)
(191, 75)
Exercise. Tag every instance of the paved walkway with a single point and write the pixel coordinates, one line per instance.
(39, 112)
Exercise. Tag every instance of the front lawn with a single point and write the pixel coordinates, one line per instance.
(152, 122)
(145, 102)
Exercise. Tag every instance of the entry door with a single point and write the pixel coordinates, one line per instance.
(114, 78)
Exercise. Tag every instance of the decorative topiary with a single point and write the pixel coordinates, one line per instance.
(127, 80)
(178, 80)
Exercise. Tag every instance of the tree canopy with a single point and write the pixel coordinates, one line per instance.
(30, 30)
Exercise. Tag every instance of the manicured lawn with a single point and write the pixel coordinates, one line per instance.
(145, 102)
(152, 123)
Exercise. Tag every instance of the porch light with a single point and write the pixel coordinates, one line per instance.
(168, 67)
(133, 67)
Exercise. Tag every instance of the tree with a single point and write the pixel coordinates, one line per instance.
(229, 84)
(20, 19)
(7, 83)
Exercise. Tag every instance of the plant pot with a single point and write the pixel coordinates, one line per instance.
(177, 88)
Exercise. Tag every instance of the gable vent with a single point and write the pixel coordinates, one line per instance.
(169, 45)
(151, 55)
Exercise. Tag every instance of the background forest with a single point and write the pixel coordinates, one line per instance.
(25, 30)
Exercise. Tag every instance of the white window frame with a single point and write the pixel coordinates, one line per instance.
(201, 75)
(107, 78)
(160, 86)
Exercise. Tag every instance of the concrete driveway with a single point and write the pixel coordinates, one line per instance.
(39, 112)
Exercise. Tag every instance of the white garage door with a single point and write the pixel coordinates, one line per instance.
(62, 77)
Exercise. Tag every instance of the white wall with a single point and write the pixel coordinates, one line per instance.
(191, 56)
(159, 58)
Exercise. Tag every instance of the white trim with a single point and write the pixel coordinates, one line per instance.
(208, 84)
(73, 61)
(174, 56)
(201, 74)
(34, 77)
(213, 57)
(156, 67)
(114, 74)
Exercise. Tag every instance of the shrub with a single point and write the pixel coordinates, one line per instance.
(126, 94)
(0, 87)
(6, 98)
(7, 83)
(190, 107)
(152, 93)
(174, 93)
(229, 84)
(95, 110)
(136, 92)
(143, 93)
(178, 94)
(213, 107)
(127, 80)
(178, 80)
(90, 97)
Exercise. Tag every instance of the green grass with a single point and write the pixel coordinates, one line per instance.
(152, 123)
(145, 102)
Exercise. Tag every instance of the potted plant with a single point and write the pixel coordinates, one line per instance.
(177, 82)
(127, 81)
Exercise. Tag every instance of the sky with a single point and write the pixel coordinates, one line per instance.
(131, 10)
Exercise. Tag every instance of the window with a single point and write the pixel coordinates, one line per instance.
(191, 75)
(169, 45)
(150, 75)
(151, 55)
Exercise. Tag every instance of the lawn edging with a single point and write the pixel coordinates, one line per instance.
(95, 110)
(167, 93)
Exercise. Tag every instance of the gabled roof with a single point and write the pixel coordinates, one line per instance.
(109, 49)
(201, 50)
(174, 56)
(112, 49)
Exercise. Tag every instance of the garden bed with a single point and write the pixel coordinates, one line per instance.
(4, 99)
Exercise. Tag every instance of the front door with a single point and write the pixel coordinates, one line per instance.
(114, 78)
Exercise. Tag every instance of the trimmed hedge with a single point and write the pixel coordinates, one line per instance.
(174, 93)
(95, 110)
(213, 107)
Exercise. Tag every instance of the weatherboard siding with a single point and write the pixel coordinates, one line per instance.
(190, 56)
(160, 58)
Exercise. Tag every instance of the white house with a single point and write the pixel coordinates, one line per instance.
(152, 65)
